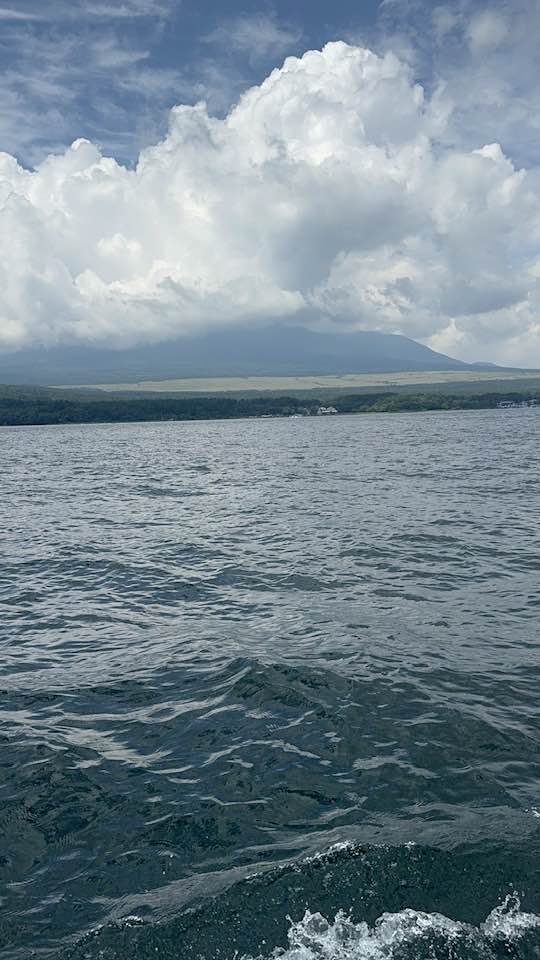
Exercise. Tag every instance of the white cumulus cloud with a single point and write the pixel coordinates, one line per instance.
(325, 196)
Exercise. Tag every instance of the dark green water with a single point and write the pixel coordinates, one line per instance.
(271, 686)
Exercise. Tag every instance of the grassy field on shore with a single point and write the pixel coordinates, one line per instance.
(453, 381)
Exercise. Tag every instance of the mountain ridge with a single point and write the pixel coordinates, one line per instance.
(262, 351)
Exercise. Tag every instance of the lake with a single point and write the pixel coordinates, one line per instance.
(271, 685)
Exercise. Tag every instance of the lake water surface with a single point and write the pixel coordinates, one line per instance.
(271, 685)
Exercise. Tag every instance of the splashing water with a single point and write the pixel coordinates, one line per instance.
(412, 935)
(508, 923)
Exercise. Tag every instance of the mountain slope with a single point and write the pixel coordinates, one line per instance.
(269, 351)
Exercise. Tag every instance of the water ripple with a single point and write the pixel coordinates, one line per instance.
(227, 646)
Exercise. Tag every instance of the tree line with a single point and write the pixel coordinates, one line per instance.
(33, 408)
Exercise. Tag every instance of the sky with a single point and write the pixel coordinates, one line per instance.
(168, 166)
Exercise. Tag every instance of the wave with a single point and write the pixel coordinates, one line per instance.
(413, 935)
(388, 903)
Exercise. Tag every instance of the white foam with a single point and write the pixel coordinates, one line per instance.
(315, 938)
(323, 854)
(132, 920)
(508, 923)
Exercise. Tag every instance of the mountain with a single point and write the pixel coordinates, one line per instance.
(267, 351)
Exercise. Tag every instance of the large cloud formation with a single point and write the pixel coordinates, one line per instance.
(328, 195)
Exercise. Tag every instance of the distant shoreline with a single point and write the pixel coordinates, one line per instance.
(27, 408)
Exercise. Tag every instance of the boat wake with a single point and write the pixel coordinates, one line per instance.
(412, 935)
